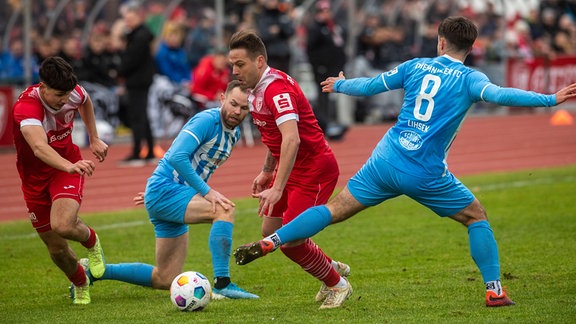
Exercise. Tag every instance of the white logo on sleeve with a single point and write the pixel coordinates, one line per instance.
(282, 102)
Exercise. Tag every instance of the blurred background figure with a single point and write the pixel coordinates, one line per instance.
(170, 58)
(137, 70)
(275, 26)
(325, 47)
(201, 39)
(12, 61)
(172, 79)
(210, 78)
(97, 73)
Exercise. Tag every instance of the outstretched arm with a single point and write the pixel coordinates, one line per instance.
(328, 84)
(517, 97)
(356, 86)
(566, 93)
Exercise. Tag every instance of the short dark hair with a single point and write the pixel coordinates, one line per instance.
(250, 41)
(459, 31)
(57, 74)
(235, 84)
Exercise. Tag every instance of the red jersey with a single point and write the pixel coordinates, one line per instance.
(207, 81)
(278, 98)
(29, 109)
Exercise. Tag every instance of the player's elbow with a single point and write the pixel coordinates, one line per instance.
(292, 141)
(39, 149)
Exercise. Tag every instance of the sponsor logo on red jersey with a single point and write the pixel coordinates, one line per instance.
(282, 102)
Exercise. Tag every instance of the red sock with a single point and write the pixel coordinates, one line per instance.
(311, 258)
(91, 241)
(79, 277)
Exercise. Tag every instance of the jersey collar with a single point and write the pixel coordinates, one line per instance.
(452, 58)
(45, 105)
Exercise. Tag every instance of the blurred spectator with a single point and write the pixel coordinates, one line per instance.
(97, 74)
(275, 28)
(370, 37)
(564, 42)
(72, 52)
(137, 70)
(521, 41)
(12, 69)
(155, 16)
(397, 36)
(78, 11)
(549, 21)
(439, 10)
(172, 79)
(210, 78)
(429, 43)
(325, 47)
(46, 47)
(170, 58)
(98, 63)
(202, 38)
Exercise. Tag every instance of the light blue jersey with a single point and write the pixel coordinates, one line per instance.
(202, 145)
(438, 92)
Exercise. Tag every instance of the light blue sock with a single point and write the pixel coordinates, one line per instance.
(220, 244)
(134, 273)
(307, 224)
(484, 250)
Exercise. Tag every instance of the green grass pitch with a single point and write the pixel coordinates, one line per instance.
(408, 265)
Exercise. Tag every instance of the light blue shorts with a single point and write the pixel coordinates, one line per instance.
(378, 181)
(166, 203)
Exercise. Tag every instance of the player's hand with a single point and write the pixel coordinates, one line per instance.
(214, 197)
(566, 93)
(328, 84)
(99, 148)
(261, 182)
(138, 199)
(268, 198)
(83, 167)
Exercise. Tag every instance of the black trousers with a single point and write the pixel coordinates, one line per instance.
(138, 120)
(325, 113)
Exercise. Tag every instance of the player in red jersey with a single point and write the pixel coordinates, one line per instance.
(300, 170)
(52, 169)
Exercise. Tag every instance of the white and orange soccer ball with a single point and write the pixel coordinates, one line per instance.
(190, 291)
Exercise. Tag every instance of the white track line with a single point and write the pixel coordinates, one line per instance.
(480, 188)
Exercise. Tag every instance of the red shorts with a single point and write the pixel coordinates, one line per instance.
(39, 195)
(307, 187)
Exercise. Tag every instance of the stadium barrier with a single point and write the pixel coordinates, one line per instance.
(541, 74)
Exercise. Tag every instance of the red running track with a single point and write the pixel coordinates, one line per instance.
(484, 144)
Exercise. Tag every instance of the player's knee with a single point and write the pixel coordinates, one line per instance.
(475, 212)
(223, 214)
(62, 229)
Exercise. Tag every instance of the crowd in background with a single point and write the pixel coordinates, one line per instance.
(186, 48)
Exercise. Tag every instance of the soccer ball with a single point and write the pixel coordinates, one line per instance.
(190, 291)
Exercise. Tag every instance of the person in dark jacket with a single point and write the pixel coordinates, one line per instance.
(325, 47)
(275, 27)
(98, 63)
(137, 71)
